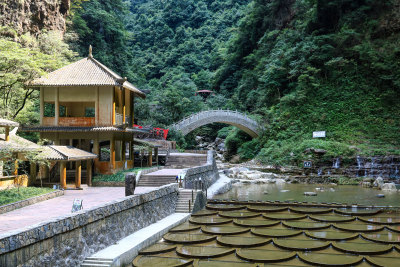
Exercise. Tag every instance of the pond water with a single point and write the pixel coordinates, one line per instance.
(349, 194)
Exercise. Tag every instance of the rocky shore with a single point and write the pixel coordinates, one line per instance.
(248, 173)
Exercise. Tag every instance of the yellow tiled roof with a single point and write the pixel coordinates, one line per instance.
(85, 72)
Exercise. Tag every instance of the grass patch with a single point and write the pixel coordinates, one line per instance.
(349, 181)
(117, 177)
(8, 196)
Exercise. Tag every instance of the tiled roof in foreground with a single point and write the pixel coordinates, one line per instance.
(17, 144)
(253, 233)
(67, 153)
(85, 72)
(4, 123)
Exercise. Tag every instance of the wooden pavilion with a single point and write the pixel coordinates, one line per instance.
(62, 155)
(17, 148)
(88, 106)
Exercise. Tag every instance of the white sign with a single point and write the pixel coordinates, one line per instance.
(77, 205)
(321, 134)
(307, 164)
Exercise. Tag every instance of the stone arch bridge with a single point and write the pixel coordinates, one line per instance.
(234, 118)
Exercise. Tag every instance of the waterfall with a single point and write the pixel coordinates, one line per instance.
(336, 163)
(319, 172)
(372, 166)
(359, 162)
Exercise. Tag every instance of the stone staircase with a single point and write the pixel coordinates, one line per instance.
(185, 160)
(156, 180)
(182, 206)
(96, 262)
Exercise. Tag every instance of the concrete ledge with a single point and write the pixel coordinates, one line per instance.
(30, 201)
(108, 184)
(125, 250)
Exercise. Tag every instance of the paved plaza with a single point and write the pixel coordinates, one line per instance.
(46, 210)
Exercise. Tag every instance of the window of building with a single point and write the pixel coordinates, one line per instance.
(127, 150)
(49, 110)
(118, 150)
(90, 112)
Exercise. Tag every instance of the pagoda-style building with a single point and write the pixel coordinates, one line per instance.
(88, 106)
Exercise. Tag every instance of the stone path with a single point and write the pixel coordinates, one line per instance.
(43, 211)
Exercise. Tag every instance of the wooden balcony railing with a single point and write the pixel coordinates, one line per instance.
(70, 121)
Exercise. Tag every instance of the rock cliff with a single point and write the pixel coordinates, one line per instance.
(34, 15)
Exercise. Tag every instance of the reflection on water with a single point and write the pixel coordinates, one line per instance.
(326, 193)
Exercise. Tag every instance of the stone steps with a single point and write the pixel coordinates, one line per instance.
(182, 205)
(96, 262)
(180, 161)
(155, 180)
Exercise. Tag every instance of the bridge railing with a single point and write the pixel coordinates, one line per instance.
(205, 114)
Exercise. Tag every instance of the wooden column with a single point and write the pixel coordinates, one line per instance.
(96, 147)
(7, 134)
(113, 107)
(131, 152)
(96, 150)
(57, 141)
(71, 143)
(57, 107)
(123, 106)
(96, 107)
(156, 154)
(41, 105)
(46, 171)
(16, 167)
(133, 109)
(89, 172)
(112, 152)
(150, 159)
(78, 174)
(32, 174)
(123, 151)
(63, 174)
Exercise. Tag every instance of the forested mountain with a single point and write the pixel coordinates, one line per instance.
(318, 65)
(168, 48)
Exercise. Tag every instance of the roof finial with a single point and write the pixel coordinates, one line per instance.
(90, 51)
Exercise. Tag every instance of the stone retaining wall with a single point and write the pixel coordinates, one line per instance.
(68, 240)
(200, 202)
(208, 173)
(108, 184)
(30, 201)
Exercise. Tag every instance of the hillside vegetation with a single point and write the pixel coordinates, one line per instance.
(306, 66)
